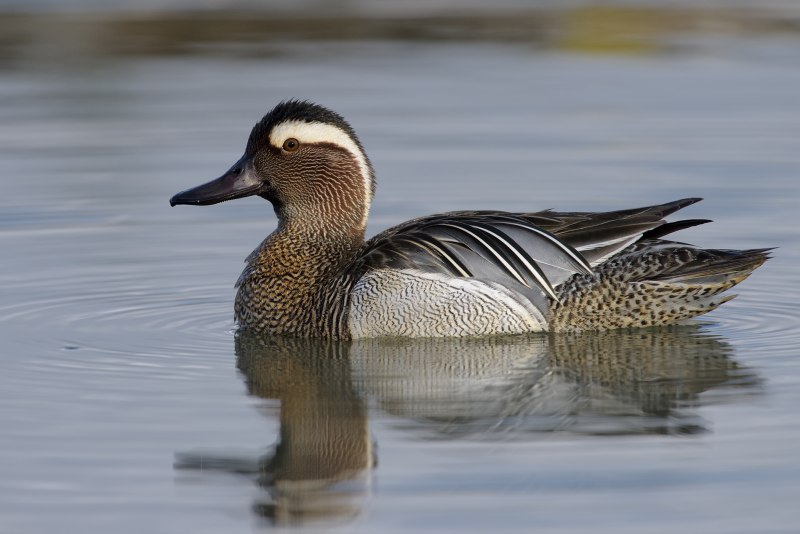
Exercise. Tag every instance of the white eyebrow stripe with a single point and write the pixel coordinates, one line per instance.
(320, 132)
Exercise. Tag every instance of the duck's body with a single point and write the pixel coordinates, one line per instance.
(454, 274)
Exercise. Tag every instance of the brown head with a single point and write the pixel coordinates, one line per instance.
(308, 162)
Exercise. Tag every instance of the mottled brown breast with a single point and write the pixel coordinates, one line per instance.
(295, 286)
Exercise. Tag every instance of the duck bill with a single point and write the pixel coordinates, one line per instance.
(240, 181)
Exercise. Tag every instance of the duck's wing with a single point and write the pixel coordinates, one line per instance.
(497, 248)
(526, 252)
(598, 236)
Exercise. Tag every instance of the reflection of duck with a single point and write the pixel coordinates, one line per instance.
(320, 467)
(620, 382)
(626, 381)
(446, 275)
(654, 370)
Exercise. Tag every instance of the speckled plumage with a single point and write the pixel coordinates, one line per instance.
(650, 284)
(453, 274)
(293, 286)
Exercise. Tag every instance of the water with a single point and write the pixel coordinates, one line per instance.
(128, 404)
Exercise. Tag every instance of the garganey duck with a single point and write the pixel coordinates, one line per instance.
(466, 273)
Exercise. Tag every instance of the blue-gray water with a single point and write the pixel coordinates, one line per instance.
(128, 405)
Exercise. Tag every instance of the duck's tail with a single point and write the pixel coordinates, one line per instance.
(652, 283)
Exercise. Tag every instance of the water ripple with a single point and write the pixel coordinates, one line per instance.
(763, 318)
(148, 320)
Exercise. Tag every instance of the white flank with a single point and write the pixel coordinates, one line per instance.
(319, 132)
(412, 303)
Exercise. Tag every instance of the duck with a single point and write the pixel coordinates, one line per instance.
(454, 274)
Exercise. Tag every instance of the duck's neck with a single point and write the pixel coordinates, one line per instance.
(286, 278)
(316, 252)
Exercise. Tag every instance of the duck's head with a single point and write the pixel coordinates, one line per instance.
(307, 161)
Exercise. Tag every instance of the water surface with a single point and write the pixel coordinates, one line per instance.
(129, 404)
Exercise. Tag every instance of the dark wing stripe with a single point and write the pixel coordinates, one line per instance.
(499, 246)
(531, 266)
(492, 250)
(433, 247)
(571, 252)
(501, 243)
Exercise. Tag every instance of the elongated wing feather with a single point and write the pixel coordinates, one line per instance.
(599, 236)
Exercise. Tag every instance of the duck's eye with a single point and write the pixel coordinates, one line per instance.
(291, 144)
